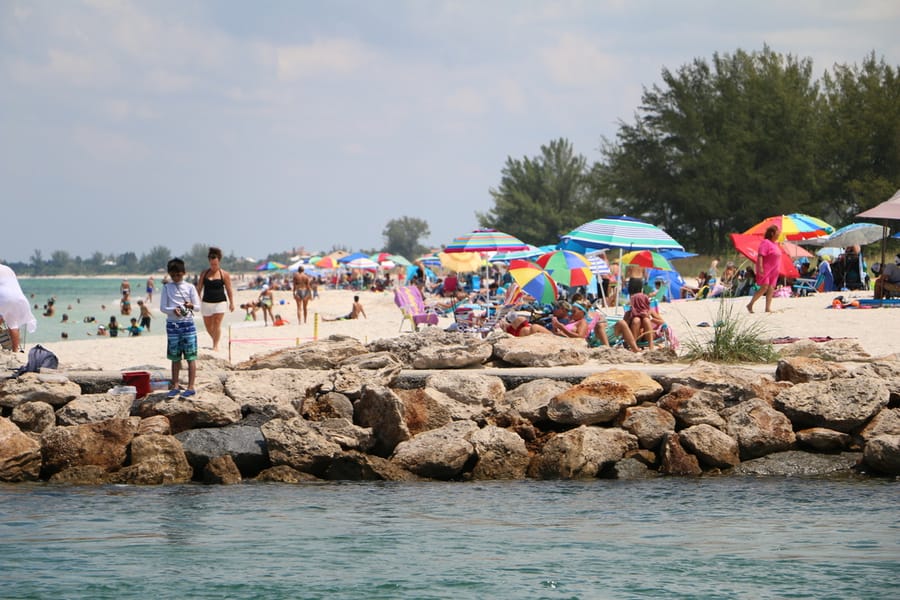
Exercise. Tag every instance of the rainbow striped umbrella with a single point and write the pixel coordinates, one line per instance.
(486, 240)
(647, 259)
(566, 267)
(270, 266)
(534, 281)
(327, 262)
(794, 226)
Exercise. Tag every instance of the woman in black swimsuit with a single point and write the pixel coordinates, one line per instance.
(214, 287)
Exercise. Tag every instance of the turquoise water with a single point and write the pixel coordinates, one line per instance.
(79, 297)
(685, 538)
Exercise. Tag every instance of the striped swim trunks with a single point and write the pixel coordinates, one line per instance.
(182, 340)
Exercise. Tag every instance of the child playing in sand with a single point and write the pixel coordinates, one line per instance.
(177, 302)
(356, 310)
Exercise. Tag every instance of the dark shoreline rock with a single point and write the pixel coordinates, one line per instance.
(340, 410)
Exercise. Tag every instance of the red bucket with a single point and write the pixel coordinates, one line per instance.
(139, 379)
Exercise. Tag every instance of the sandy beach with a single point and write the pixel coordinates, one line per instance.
(804, 317)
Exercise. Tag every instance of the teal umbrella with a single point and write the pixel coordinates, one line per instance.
(620, 232)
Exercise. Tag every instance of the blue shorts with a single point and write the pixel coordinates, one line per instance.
(182, 340)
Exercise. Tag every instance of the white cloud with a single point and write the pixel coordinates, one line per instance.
(576, 59)
(325, 56)
(107, 146)
(467, 100)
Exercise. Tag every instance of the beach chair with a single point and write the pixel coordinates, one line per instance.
(804, 286)
(409, 299)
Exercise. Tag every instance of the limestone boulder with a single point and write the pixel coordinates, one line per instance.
(427, 408)
(885, 422)
(221, 470)
(324, 354)
(691, 406)
(354, 375)
(469, 388)
(20, 456)
(33, 416)
(357, 466)
(439, 453)
(588, 404)
(81, 475)
(837, 350)
(888, 370)
(644, 387)
(758, 428)
(276, 393)
(714, 448)
(344, 433)
(245, 444)
(501, 454)
(206, 409)
(822, 439)
(675, 459)
(581, 453)
(882, 453)
(734, 384)
(158, 424)
(541, 351)
(155, 460)
(630, 469)
(285, 474)
(840, 404)
(330, 405)
(92, 408)
(532, 398)
(648, 423)
(52, 388)
(434, 348)
(803, 369)
(796, 463)
(383, 411)
(103, 444)
(297, 444)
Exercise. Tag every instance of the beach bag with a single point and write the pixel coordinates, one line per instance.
(38, 358)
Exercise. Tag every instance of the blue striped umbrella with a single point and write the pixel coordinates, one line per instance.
(621, 232)
(486, 240)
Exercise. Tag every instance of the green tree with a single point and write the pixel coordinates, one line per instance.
(541, 198)
(38, 266)
(401, 236)
(718, 147)
(60, 262)
(155, 259)
(860, 161)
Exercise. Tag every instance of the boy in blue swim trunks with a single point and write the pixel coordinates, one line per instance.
(177, 302)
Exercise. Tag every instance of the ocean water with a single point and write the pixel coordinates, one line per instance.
(81, 297)
(665, 538)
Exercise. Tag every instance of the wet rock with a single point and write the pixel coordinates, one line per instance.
(285, 474)
(795, 463)
(675, 460)
(155, 460)
(221, 470)
(714, 448)
(882, 453)
(437, 454)
(246, 446)
(295, 443)
(20, 456)
(102, 444)
(501, 454)
(356, 466)
(83, 475)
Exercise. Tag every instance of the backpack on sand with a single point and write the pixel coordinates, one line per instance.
(38, 358)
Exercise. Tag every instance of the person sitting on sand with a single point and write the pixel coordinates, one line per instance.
(888, 281)
(356, 310)
(279, 322)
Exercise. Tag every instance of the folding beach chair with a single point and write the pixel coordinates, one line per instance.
(409, 299)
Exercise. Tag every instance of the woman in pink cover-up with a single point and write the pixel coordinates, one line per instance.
(767, 261)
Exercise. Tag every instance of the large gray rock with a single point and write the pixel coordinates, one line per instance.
(644, 387)
(273, 392)
(92, 408)
(735, 384)
(356, 466)
(888, 370)
(155, 460)
(885, 422)
(434, 348)
(54, 389)
(882, 453)
(648, 423)
(795, 463)
(467, 387)
(839, 404)
(381, 409)
(297, 444)
(324, 354)
(532, 398)
(206, 409)
(581, 453)
(839, 350)
(758, 428)
(540, 350)
(802, 369)
(354, 376)
(588, 404)
(34, 416)
(102, 444)
(691, 406)
(344, 433)
(20, 456)
(438, 454)
(245, 445)
(501, 454)
(714, 448)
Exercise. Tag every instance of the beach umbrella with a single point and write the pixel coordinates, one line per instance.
(399, 259)
(676, 254)
(430, 260)
(485, 240)
(748, 245)
(327, 263)
(460, 262)
(829, 251)
(270, 266)
(647, 259)
(855, 234)
(795, 251)
(599, 266)
(794, 226)
(505, 257)
(360, 262)
(566, 267)
(620, 232)
(534, 281)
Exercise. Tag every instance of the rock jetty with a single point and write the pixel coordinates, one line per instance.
(450, 406)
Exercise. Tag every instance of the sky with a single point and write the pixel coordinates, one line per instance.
(271, 126)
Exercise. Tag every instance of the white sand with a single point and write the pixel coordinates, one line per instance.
(876, 329)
